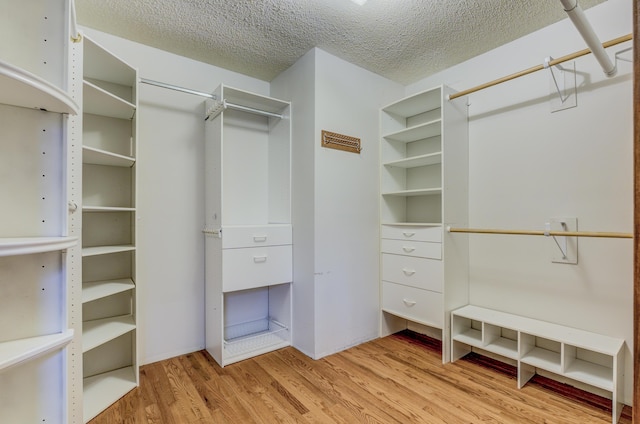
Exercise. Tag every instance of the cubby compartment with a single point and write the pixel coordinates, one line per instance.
(33, 155)
(32, 287)
(113, 228)
(467, 331)
(589, 367)
(31, 392)
(500, 340)
(108, 373)
(540, 352)
(256, 321)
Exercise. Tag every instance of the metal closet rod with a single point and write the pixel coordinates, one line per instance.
(531, 70)
(541, 233)
(209, 96)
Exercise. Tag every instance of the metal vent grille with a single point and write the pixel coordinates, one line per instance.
(340, 142)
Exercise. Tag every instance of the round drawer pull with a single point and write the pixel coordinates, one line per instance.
(408, 302)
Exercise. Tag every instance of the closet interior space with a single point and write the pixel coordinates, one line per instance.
(109, 158)
(248, 238)
(35, 106)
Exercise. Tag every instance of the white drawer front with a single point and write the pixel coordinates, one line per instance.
(404, 232)
(256, 267)
(255, 236)
(415, 272)
(414, 304)
(422, 249)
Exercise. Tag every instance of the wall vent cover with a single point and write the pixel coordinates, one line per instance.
(340, 141)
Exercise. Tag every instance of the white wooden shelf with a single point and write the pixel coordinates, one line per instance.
(416, 104)
(253, 100)
(24, 89)
(31, 245)
(543, 358)
(544, 346)
(17, 352)
(503, 347)
(413, 224)
(416, 192)
(471, 337)
(590, 373)
(95, 156)
(416, 161)
(102, 390)
(98, 101)
(107, 209)
(100, 289)
(418, 132)
(100, 331)
(106, 250)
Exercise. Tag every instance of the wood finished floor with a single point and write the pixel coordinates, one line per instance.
(396, 379)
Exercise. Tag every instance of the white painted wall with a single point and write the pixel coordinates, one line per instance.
(171, 194)
(335, 198)
(528, 164)
(297, 84)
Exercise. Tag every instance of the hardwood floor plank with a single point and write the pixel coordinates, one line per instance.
(396, 379)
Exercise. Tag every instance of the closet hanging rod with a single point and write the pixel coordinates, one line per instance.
(540, 233)
(252, 110)
(533, 69)
(176, 88)
(210, 96)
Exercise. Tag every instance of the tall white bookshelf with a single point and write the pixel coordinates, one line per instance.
(424, 187)
(109, 159)
(248, 235)
(35, 105)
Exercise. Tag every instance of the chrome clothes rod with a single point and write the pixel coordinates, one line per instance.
(176, 88)
(541, 233)
(252, 110)
(533, 69)
(210, 96)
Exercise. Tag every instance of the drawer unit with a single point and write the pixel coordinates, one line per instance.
(415, 272)
(256, 267)
(256, 236)
(421, 249)
(414, 304)
(414, 233)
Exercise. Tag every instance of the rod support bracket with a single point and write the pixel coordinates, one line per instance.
(564, 249)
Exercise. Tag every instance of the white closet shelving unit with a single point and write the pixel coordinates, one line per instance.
(109, 157)
(248, 238)
(424, 186)
(34, 119)
(579, 355)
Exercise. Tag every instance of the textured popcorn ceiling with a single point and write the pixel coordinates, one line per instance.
(404, 40)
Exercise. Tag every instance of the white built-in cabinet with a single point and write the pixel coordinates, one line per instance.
(424, 187)
(534, 345)
(248, 234)
(109, 324)
(35, 106)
